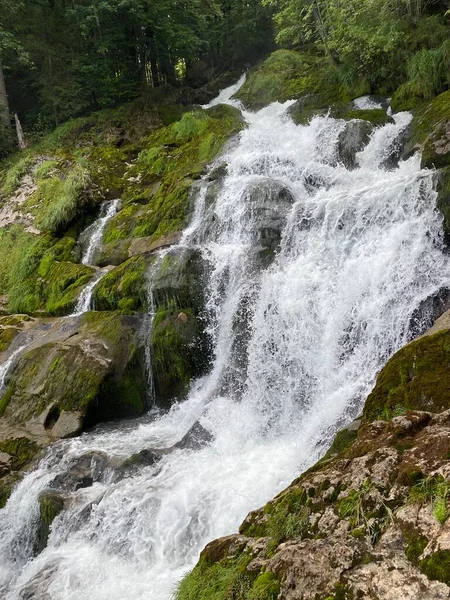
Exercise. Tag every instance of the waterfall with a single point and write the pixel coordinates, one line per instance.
(85, 299)
(315, 270)
(9, 362)
(93, 234)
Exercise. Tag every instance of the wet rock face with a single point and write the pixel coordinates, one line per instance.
(428, 311)
(179, 280)
(351, 140)
(268, 205)
(179, 350)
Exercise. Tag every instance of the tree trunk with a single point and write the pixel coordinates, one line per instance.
(4, 106)
(20, 139)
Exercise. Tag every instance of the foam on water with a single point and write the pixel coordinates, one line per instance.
(359, 251)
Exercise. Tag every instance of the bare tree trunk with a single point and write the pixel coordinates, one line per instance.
(4, 106)
(20, 139)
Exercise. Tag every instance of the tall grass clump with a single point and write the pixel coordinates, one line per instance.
(428, 73)
(60, 199)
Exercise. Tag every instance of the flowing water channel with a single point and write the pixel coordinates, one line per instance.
(298, 334)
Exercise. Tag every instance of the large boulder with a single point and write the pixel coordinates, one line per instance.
(417, 377)
(58, 388)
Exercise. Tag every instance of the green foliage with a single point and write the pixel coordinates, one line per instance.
(7, 141)
(224, 580)
(435, 490)
(228, 579)
(80, 57)
(427, 75)
(60, 199)
(357, 507)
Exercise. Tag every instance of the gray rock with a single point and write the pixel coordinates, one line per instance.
(351, 140)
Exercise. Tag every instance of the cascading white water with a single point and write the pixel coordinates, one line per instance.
(94, 233)
(85, 298)
(9, 362)
(94, 236)
(359, 251)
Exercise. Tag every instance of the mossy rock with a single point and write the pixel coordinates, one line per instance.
(94, 374)
(21, 449)
(443, 200)
(429, 132)
(125, 287)
(287, 74)
(41, 275)
(437, 566)
(179, 351)
(417, 377)
(50, 505)
(178, 280)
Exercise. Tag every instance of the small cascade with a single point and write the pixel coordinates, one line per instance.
(314, 272)
(85, 300)
(94, 236)
(94, 233)
(9, 363)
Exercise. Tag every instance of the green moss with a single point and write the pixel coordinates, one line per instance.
(50, 505)
(123, 288)
(266, 587)
(342, 440)
(22, 450)
(437, 566)
(5, 399)
(121, 225)
(6, 337)
(376, 116)
(287, 74)
(173, 365)
(428, 130)
(415, 546)
(105, 383)
(39, 275)
(177, 155)
(417, 377)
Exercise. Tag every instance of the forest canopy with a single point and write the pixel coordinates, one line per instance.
(66, 58)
